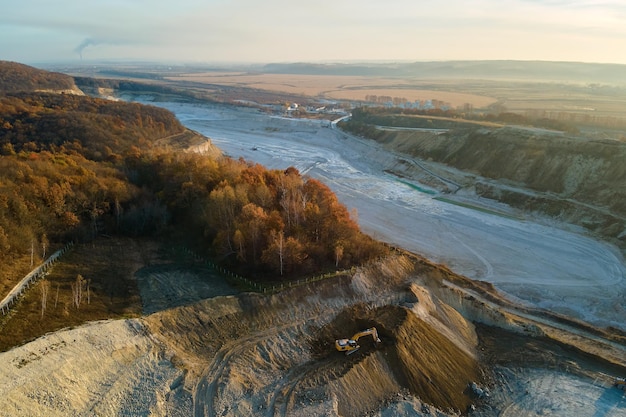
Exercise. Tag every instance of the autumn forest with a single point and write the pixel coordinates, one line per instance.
(75, 168)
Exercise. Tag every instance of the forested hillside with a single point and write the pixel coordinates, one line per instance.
(96, 128)
(75, 167)
(259, 221)
(62, 170)
(15, 77)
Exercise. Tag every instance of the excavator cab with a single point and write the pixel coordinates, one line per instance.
(351, 345)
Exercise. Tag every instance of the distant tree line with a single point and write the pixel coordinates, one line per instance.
(91, 84)
(578, 119)
(401, 117)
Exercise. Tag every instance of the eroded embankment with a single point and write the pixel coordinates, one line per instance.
(572, 179)
(275, 355)
(102, 368)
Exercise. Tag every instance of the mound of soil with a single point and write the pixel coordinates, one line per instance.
(412, 355)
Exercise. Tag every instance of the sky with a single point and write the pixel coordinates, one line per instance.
(262, 31)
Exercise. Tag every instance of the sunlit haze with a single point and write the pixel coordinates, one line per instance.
(33, 31)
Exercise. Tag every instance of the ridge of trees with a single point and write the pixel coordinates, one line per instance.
(96, 128)
(73, 167)
(16, 77)
(92, 85)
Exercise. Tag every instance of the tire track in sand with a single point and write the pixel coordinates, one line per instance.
(282, 394)
(205, 393)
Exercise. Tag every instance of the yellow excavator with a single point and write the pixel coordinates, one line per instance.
(620, 383)
(351, 345)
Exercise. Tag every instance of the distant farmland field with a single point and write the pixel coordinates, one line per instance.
(567, 101)
(339, 87)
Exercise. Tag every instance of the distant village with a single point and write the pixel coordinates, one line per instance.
(388, 101)
(373, 100)
(326, 109)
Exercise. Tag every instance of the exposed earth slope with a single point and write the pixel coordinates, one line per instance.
(572, 179)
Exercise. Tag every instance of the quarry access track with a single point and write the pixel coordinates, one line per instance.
(283, 394)
(206, 391)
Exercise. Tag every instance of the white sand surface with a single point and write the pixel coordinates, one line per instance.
(102, 368)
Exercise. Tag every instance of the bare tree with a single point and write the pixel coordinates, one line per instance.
(338, 254)
(56, 299)
(240, 241)
(274, 255)
(45, 287)
(78, 288)
(118, 212)
(44, 245)
(74, 292)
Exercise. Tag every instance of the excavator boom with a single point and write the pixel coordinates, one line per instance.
(371, 331)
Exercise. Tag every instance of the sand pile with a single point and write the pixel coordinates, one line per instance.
(103, 368)
(413, 355)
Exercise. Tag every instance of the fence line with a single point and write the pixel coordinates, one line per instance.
(33, 275)
(263, 288)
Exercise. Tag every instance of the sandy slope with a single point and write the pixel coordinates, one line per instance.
(106, 368)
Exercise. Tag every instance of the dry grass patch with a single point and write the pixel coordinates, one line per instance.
(108, 290)
(13, 270)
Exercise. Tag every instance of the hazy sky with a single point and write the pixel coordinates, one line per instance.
(39, 31)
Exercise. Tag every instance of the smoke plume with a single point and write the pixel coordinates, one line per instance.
(84, 44)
